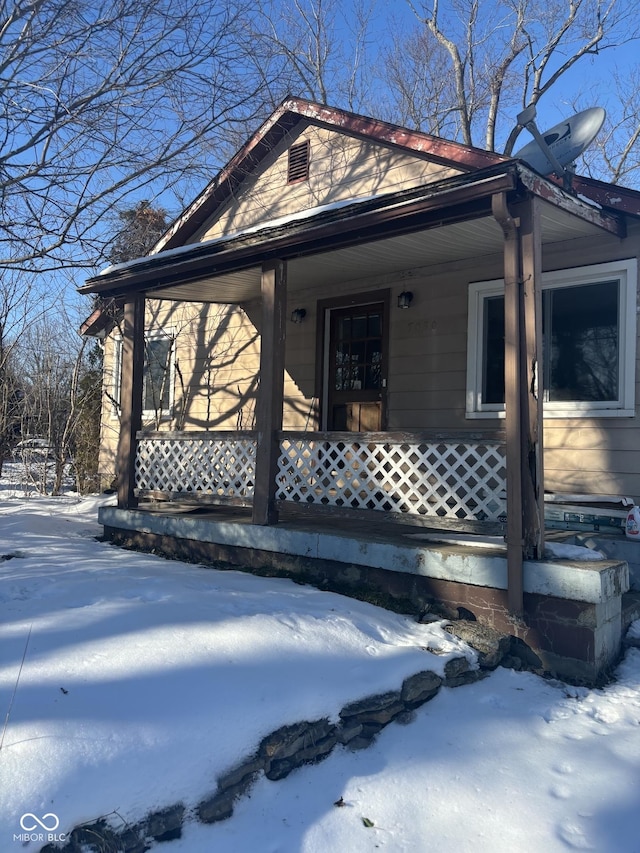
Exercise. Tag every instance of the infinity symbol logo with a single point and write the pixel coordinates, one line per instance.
(29, 827)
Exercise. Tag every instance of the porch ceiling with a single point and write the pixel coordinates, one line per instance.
(421, 227)
(458, 241)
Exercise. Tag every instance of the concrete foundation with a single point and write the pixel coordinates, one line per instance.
(572, 618)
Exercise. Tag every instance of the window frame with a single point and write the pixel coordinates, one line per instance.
(626, 273)
(116, 375)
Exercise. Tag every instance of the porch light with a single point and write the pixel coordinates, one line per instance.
(405, 299)
(298, 315)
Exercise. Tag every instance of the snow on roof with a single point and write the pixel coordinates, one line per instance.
(308, 213)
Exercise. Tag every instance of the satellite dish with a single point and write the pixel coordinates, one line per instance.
(562, 143)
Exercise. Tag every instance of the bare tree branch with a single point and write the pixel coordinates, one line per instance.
(102, 98)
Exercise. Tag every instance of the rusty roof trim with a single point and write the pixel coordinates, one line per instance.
(611, 196)
(101, 320)
(465, 157)
(609, 221)
(294, 110)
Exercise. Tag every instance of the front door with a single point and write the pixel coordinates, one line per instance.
(356, 375)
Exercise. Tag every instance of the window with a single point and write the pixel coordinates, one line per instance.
(588, 343)
(157, 389)
(157, 381)
(298, 168)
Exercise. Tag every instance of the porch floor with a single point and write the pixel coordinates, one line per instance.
(358, 523)
(383, 528)
(443, 550)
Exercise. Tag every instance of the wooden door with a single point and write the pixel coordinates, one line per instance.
(357, 368)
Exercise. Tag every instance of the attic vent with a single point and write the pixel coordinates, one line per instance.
(298, 163)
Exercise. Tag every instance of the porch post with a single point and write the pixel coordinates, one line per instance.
(532, 396)
(130, 399)
(271, 390)
(512, 393)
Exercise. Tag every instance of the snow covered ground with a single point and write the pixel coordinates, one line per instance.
(144, 679)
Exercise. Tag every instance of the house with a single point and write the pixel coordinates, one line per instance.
(358, 340)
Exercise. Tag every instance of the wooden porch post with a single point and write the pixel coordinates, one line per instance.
(130, 399)
(512, 393)
(532, 396)
(271, 390)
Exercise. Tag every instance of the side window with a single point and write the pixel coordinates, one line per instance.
(158, 379)
(158, 374)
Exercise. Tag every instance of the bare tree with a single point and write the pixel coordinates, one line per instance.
(421, 95)
(20, 304)
(100, 98)
(616, 152)
(506, 55)
(79, 438)
(47, 355)
(318, 49)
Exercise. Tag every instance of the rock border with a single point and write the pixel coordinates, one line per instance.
(306, 742)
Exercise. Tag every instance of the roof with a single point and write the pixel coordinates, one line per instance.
(330, 230)
(332, 226)
(286, 116)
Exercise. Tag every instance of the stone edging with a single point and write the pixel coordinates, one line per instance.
(292, 746)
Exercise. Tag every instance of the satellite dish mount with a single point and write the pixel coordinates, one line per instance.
(527, 119)
(557, 149)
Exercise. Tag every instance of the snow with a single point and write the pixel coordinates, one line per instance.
(145, 679)
(579, 553)
(177, 251)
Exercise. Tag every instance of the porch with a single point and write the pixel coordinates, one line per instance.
(574, 611)
(261, 499)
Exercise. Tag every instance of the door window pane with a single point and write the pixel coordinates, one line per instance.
(359, 326)
(358, 352)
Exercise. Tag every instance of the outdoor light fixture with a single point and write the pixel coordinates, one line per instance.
(405, 299)
(298, 315)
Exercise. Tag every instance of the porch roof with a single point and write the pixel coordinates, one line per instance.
(423, 226)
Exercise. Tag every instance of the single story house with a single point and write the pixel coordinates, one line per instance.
(343, 362)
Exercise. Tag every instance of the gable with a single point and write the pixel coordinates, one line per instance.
(342, 167)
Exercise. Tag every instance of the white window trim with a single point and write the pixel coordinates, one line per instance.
(116, 376)
(626, 271)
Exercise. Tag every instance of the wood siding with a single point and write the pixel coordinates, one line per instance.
(341, 168)
(217, 350)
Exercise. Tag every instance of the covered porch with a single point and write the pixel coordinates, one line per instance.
(474, 480)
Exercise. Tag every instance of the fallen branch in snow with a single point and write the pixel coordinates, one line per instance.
(15, 689)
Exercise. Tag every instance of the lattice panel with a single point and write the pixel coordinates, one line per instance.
(197, 466)
(446, 479)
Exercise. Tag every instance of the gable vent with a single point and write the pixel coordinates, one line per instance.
(298, 162)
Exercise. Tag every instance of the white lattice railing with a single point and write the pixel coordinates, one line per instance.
(461, 477)
(197, 465)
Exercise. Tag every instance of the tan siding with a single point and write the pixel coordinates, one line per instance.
(427, 367)
(615, 435)
(216, 354)
(341, 168)
(611, 461)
